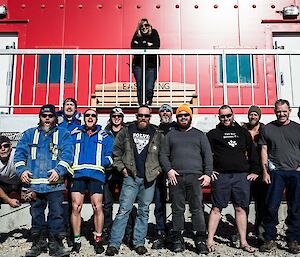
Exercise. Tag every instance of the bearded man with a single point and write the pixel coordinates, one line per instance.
(187, 158)
(135, 153)
(43, 156)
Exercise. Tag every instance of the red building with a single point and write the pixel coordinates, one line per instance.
(241, 27)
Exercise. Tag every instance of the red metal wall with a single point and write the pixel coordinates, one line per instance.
(110, 24)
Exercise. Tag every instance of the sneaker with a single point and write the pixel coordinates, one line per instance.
(111, 251)
(293, 247)
(76, 247)
(141, 250)
(201, 248)
(99, 247)
(268, 246)
(159, 243)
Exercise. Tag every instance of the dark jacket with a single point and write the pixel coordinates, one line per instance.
(233, 149)
(123, 152)
(141, 43)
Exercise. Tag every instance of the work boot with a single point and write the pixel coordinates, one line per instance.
(56, 247)
(39, 244)
(159, 242)
(200, 242)
(293, 247)
(178, 242)
(268, 246)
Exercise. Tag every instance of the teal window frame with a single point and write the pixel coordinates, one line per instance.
(55, 63)
(245, 63)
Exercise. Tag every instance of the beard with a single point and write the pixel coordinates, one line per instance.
(253, 123)
(142, 125)
(166, 119)
(184, 126)
(46, 128)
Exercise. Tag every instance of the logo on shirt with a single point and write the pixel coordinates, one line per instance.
(232, 143)
(141, 141)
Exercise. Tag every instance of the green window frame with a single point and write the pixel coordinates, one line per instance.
(237, 65)
(55, 63)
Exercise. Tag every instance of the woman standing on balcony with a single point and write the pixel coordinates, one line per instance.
(145, 37)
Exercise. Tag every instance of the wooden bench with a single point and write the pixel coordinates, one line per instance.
(124, 94)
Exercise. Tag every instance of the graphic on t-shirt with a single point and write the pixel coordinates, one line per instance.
(141, 141)
(232, 143)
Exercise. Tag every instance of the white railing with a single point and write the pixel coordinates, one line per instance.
(103, 78)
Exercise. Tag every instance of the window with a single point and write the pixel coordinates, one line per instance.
(245, 63)
(55, 62)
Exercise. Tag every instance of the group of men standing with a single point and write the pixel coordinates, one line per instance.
(227, 157)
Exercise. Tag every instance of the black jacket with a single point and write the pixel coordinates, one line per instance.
(142, 43)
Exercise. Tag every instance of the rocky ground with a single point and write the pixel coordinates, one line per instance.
(15, 243)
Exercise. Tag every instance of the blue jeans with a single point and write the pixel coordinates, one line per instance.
(150, 77)
(55, 221)
(132, 188)
(280, 180)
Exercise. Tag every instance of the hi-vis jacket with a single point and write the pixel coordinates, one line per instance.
(39, 152)
(92, 154)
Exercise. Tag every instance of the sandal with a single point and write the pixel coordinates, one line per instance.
(247, 248)
(211, 248)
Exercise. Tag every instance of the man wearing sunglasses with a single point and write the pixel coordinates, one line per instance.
(166, 124)
(9, 181)
(114, 180)
(235, 166)
(93, 154)
(135, 152)
(43, 156)
(186, 157)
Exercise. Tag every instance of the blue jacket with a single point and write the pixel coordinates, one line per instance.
(40, 152)
(92, 154)
(64, 123)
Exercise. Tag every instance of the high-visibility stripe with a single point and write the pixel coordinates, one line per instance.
(99, 150)
(66, 165)
(55, 144)
(36, 181)
(88, 166)
(35, 142)
(77, 149)
(20, 163)
(110, 160)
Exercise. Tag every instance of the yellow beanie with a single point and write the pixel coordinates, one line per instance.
(184, 107)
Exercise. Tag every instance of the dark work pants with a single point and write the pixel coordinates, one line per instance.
(55, 221)
(279, 181)
(188, 188)
(160, 204)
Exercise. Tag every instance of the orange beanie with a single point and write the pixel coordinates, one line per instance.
(184, 107)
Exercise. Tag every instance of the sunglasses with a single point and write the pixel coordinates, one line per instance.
(44, 115)
(7, 145)
(93, 115)
(117, 116)
(223, 116)
(145, 25)
(183, 115)
(143, 115)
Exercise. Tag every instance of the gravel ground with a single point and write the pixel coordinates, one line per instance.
(16, 243)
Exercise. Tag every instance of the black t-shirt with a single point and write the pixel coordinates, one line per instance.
(141, 140)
